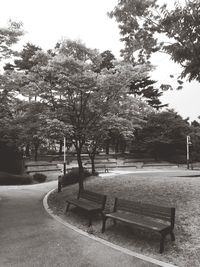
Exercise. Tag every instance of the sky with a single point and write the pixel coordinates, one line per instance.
(47, 21)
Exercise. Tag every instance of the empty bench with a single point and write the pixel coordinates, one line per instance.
(144, 216)
(93, 203)
(106, 165)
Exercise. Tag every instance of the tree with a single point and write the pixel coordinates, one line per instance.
(195, 140)
(56, 130)
(120, 121)
(8, 36)
(10, 156)
(163, 135)
(24, 63)
(145, 89)
(32, 120)
(141, 87)
(67, 82)
(144, 25)
(107, 60)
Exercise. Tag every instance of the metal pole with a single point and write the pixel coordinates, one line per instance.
(64, 164)
(188, 152)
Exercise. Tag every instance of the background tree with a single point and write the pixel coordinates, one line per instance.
(107, 60)
(145, 88)
(32, 121)
(56, 130)
(163, 136)
(9, 152)
(9, 129)
(195, 140)
(24, 61)
(8, 36)
(119, 122)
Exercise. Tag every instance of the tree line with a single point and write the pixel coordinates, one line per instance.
(93, 99)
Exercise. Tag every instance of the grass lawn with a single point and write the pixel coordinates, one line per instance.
(180, 189)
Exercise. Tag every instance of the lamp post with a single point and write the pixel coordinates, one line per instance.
(188, 142)
(64, 163)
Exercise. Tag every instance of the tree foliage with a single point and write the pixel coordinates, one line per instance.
(147, 27)
(87, 101)
(24, 61)
(145, 88)
(163, 135)
(8, 36)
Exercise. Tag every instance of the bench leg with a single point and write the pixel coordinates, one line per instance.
(103, 224)
(67, 208)
(162, 239)
(90, 220)
(172, 236)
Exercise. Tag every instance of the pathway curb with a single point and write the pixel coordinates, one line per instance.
(107, 243)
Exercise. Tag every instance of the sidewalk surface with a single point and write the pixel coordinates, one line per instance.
(29, 237)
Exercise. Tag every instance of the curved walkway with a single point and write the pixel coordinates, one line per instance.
(29, 237)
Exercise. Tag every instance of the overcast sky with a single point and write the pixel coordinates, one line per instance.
(48, 21)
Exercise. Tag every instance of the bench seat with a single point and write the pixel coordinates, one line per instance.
(140, 221)
(91, 202)
(84, 204)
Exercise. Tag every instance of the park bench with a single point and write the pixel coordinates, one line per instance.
(145, 217)
(31, 168)
(91, 202)
(102, 164)
(161, 165)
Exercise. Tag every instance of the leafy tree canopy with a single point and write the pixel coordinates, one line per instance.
(147, 27)
(8, 36)
(163, 134)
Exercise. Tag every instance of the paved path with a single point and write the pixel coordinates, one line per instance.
(29, 237)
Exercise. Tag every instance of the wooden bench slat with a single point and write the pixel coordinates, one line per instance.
(123, 202)
(92, 196)
(140, 221)
(145, 209)
(150, 213)
(87, 205)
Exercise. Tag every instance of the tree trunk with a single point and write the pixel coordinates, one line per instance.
(156, 155)
(117, 145)
(36, 153)
(36, 146)
(60, 147)
(80, 165)
(27, 150)
(123, 146)
(107, 146)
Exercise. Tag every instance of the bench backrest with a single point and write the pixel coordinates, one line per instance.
(163, 213)
(93, 196)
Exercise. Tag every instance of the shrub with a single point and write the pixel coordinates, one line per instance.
(10, 158)
(11, 179)
(39, 177)
(72, 177)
